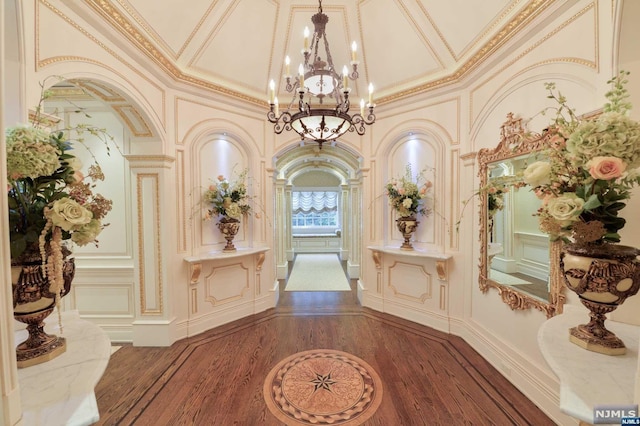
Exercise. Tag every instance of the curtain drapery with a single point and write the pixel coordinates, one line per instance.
(314, 201)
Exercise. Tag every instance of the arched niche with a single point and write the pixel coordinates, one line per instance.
(422, 150)
(213, 153)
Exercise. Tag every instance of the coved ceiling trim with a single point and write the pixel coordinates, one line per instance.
(123, 25)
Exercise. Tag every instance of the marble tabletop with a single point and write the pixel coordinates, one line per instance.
(416, 252)
(216, 255)
(588, 379)
(61, 391)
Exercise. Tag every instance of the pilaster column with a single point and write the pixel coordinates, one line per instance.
(280, 229)
(288, 217)
(154, 242)
(354, 209)
(345, 223)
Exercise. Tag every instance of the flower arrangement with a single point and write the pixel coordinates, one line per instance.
(495, 190)
(593, 164)
(228, 199)
(49, 198)
(406, 196)
(495, 197)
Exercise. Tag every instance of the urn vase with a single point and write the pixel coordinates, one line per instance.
(229, 228)
(33, 303)
(603, 276)
(407, 226)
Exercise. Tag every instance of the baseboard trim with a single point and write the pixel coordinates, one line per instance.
(534, 382)
(154, 332)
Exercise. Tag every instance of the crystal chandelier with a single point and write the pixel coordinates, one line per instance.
(317, 80)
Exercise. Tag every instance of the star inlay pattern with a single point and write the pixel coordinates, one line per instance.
(323, 382)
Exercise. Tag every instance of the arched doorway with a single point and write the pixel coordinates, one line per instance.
(337, 162)
(122, 268)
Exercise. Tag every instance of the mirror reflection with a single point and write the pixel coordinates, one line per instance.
(518, 252)
(516, 257)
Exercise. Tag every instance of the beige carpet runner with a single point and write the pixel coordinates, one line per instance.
(317, 272)
(323, 387)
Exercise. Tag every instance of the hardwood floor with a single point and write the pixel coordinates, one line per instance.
(216, 378)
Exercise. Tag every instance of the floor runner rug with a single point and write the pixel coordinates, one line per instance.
(317, 272)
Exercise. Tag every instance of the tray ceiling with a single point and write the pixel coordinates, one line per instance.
(237, 46)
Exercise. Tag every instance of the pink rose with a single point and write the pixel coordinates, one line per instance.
(220, 178)
(401, 191)
(606, 168)
(213, 188)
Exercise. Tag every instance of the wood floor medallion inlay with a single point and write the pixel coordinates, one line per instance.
(323, 387)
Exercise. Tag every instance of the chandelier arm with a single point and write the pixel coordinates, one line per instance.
(358, 119)
(357, 124)
(371, 117)
(291, 87)
(281, 123)
(271, 115)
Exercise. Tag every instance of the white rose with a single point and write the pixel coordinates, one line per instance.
(566, 209)
(68, 214)
(538, 174)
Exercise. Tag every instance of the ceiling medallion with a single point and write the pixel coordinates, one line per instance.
(317, 80)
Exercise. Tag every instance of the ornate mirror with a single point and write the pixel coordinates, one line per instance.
(516, 258)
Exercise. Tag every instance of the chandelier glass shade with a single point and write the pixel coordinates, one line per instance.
(316, 83)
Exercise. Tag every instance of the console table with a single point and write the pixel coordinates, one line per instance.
(589, 378)
(410, 284)
(226, 286)
(61, 391)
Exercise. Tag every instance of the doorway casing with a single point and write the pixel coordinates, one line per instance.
(338, 161)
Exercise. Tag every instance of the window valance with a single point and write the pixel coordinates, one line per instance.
(314, 201)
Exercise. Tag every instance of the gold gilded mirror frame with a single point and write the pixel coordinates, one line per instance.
(516, 142)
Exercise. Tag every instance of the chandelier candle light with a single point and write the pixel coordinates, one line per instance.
(319, 79)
